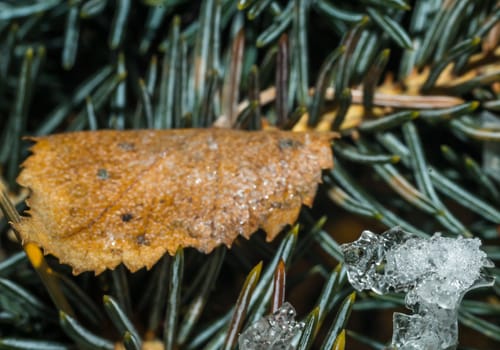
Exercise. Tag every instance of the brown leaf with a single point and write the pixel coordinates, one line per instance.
(106, 197)
(147, 345)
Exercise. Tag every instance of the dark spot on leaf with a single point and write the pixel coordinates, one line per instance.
(288, 143)
(102, 174)
(142, 240)
(127, 146)
(126, 217)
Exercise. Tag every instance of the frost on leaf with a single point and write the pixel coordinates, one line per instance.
(103, 198)
(435, 273)
(272, 332)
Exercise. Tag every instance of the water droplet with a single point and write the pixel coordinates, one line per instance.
(102, 174)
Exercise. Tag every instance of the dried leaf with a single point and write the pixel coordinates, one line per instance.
(103, 198)
(147, 345)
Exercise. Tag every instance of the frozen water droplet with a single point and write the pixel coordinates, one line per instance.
(212, 145)
(435, 273)
(272, 332)
(102, 174)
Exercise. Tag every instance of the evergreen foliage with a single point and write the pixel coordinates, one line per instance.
(409, 85)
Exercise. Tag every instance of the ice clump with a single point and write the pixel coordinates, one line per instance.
(272, 332)
(435, 273)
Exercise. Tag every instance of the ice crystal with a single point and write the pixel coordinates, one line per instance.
(435, 273)
(272, 332)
